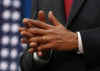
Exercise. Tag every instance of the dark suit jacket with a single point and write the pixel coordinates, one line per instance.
(85, 18)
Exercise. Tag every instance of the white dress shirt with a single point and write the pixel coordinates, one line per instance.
(80, 45)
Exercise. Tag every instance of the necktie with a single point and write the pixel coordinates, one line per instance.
(68, 5)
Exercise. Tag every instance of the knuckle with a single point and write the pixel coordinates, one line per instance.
(33, 44)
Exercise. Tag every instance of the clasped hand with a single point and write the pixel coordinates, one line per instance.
(42, 36)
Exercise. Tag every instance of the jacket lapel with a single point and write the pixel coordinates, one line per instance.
(77, 5)
(58, 5)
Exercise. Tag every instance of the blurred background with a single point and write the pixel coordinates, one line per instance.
(11, 14)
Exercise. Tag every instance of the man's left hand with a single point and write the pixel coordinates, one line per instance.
(55, 36)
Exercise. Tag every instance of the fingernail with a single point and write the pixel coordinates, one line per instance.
(50, 12)
(25, 20)
(39, 49)
(22, 32)
(30, 50)
(40, 53)
(41, 11)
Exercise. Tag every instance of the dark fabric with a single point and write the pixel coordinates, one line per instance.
(85, 18)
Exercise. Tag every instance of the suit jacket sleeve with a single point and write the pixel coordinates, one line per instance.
(91, 44)
(26, 62)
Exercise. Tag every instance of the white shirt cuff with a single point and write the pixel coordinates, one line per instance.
(80, 45)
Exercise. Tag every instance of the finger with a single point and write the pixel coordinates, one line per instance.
(53, 19)
(40, 53)
(33, 45)
(24, 40)
(31, 50)
(37, 31)
(36, 39)
(43, 39)
(26, 34)
(42, 16)
(21, 29)
(45, 46)
(38, 23)
(27, 24)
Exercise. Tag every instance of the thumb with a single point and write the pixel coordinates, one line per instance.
(53, 19)
(42, 16)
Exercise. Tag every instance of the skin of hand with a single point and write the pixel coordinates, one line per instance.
(55, 37)
(41, 17)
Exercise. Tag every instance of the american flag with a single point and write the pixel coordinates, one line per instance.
(10, 45)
